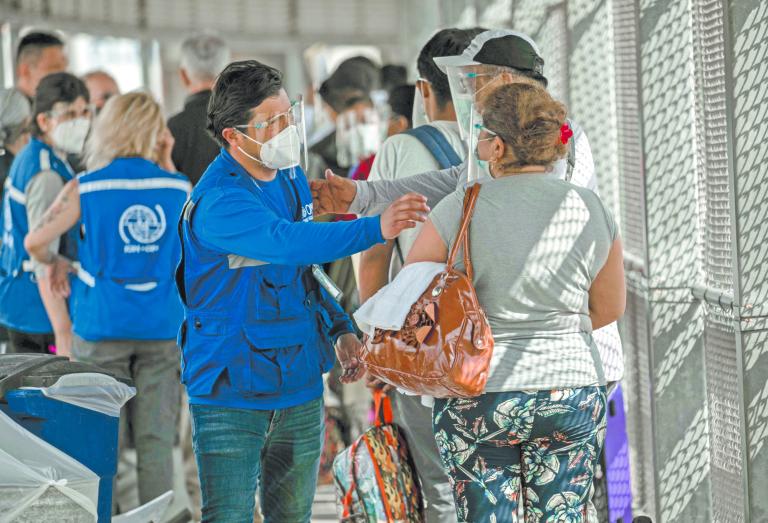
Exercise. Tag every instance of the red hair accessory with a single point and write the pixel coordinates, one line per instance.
(565, 133)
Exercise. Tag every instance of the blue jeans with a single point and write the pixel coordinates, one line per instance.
(276, 451)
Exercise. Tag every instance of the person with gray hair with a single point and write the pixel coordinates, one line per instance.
(203, 56)
(15, 116)
(15, 112)
(101, 86)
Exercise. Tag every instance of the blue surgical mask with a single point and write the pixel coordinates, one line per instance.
(483, 166)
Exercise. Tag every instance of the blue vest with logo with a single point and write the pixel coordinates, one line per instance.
(256, 335)
(128, 252)
(20, 305)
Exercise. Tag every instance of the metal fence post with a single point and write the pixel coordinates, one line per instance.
(746, 47)
(681, 418)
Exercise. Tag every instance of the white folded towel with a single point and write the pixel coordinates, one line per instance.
(388, 308)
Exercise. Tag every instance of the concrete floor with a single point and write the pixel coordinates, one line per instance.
(324, 509)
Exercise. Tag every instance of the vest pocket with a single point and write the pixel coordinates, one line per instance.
(201, 367)
(278, 360)
(281, 295)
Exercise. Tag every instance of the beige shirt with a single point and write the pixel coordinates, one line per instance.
(41, 192)
(401, 156)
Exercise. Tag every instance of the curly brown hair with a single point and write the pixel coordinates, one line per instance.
(528, 120)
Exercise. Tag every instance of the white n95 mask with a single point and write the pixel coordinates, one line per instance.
(366, 139)
(279, 152)
(70, 136)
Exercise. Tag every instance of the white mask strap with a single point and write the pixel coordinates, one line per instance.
(243, 150)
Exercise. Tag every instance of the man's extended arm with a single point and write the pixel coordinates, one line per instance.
(373, 197)
(234, 223)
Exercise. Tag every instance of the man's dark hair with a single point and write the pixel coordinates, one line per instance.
(356, 98)
(55, 88)
(401, 101)
(354, 78)
(447, 42)
(360, 71)
(33, 43)
(240, 87)
(340, 98)
(393, 76)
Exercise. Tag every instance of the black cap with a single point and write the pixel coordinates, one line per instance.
(511, 51)
(500, 47)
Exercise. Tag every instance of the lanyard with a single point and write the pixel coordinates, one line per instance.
(297, 214)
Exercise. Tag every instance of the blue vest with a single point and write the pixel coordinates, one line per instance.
(20, 305)
(255, 335)
(128, 252)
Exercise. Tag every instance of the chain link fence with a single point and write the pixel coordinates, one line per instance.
(673, 97)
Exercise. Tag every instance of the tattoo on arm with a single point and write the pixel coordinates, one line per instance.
(58, 206)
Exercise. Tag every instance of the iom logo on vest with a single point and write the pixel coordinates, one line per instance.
(306, 213)
(141, 228)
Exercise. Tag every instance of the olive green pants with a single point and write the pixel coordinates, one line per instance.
(150, 417)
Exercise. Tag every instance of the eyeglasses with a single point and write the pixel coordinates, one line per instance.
(468, 81)
(480, 128)
(283, 119)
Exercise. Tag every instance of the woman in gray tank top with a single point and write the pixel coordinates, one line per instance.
(548, 270)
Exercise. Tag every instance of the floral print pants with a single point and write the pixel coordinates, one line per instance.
(541, 445)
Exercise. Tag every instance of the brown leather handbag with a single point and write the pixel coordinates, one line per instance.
(445, 346)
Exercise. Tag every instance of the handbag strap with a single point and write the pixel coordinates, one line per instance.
(382, 407)
(462, 238)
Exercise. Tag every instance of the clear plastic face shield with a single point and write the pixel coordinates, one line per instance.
(322, 123)
(419, 116)
(380, 97)
(468, 84)
(477, 169)
(281, 137)
(359, 133)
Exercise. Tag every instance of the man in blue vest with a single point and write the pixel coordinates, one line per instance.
(259, 328)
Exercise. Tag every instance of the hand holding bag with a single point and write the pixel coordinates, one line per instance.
(445, 346)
